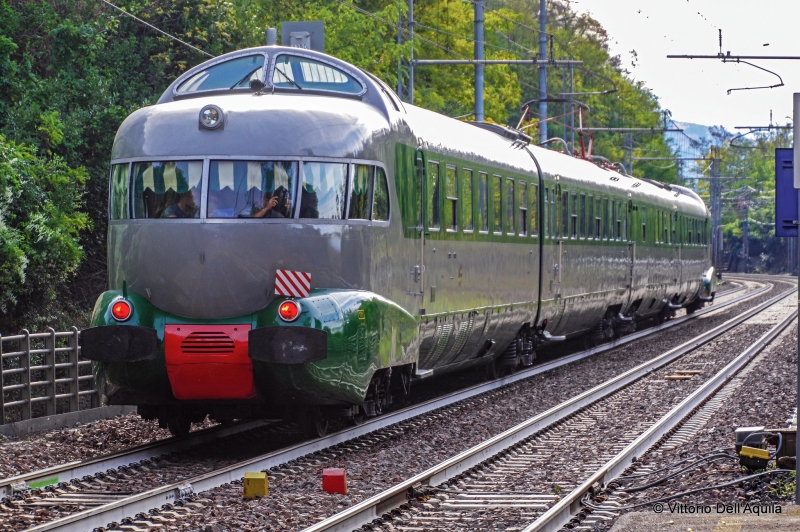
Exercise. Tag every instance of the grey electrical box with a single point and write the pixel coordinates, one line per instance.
(308, 35)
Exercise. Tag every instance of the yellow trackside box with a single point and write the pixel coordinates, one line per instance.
(255, 485)
(752, 452)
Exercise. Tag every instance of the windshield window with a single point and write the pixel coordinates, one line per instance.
(233, 74)
(293, 72)
(324, 190)
(251, 189)
(167, 189)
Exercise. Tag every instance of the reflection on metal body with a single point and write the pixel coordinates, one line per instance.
(389, 270)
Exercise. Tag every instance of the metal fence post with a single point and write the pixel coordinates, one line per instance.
(50, 372)
(73, 372)
(25, 376)
(95, 397)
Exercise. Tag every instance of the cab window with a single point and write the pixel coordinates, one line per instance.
(323, 191)
(234, 74)
(251, 189)
(167, 189)
(119, 191)
(361, 192)
(295, 72)
(380, 205)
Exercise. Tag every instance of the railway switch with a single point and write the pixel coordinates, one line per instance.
(334, 480)
(255, 485)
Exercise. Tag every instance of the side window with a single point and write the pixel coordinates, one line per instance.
(167, 189)
(590, 217)
(674, 228)
(451, 198)
(380, 203)
(607, 216)
(625, 212)
(644, 224)
(533, 212)
(523, 208)
(497, 212)
(582, 215)
(522, 202)
(565, 214)
(598, 218)
(619, 221)
(234, 74)
(509, 204)
(467, 205)
(361, 192)
(432, 201)
(420, 170)
(553, 217)
(574, 215)
(545, 211)
(257, 189)
(323, 191)
(483, 201)
(119, 191)
(295, 72)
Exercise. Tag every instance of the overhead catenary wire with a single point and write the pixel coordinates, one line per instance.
(137, 19)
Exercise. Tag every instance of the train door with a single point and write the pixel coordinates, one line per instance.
(561, 227)
(432, 222)
(417, 270)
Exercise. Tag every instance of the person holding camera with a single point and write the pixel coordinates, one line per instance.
(275, 207)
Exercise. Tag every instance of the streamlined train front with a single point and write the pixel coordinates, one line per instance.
(237, 288)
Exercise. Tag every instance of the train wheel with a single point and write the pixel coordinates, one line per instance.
(493, 370)
(589, 341)
(179, 425)
(314, 424)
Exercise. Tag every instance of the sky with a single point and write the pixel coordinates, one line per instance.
(696, 90)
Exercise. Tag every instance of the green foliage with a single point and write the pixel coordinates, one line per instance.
(747, 168)
(72, 70)
(39, 225)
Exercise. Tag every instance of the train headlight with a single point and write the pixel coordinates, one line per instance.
(289, 310)
(121, 310)
(211, 117)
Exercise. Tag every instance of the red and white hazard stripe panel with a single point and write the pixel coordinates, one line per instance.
(290, 283)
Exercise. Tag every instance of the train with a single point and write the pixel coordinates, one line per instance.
(288, 239)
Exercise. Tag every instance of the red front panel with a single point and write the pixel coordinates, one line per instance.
(208, 361)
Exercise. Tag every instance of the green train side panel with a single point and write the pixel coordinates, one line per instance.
(366, 332)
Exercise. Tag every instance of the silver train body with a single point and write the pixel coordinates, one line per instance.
(580, 249)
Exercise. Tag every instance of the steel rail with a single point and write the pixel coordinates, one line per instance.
(143, 502)
(374, 507)
(563, 511)
(100, 464)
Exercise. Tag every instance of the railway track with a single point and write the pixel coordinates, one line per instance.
(87, 490)
(534, 476)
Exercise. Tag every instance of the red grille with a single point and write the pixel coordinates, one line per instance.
(207, 343)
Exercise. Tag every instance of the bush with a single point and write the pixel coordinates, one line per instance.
(39, 232)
